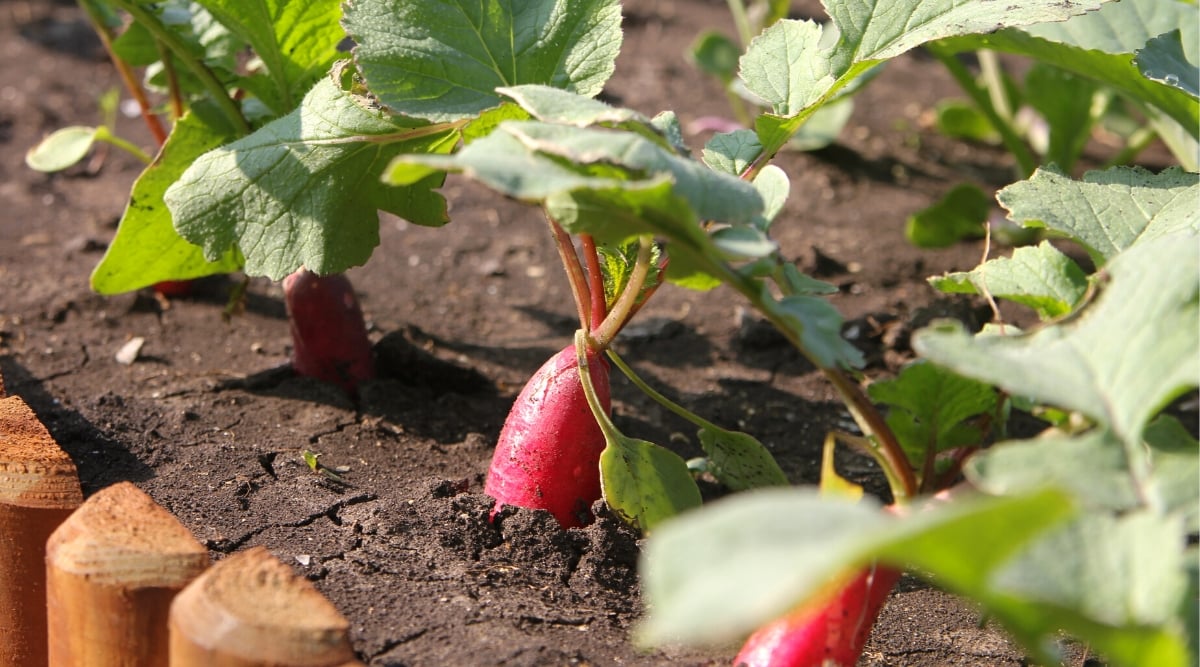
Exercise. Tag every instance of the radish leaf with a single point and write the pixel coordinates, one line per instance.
(444, 59)
(1099, 45)
(554, 105)
(146, 248)
(959, 214)
(715, 575)
(304, 189)
(1163, 60)
(296, 41)
(645, 483)
(929, 407)
(1097, 470)
(1041, 277)
(1084, 363)
(61, 149)
(1108, 211)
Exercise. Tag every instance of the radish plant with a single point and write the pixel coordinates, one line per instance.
(502, 93)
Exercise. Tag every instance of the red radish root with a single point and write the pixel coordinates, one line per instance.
(174, 288)
(831, 635)
(329, 338)
(548, 454)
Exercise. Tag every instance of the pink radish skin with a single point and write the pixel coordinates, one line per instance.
(174, 288)
(329, 338)
(832, 635)
(548, 454)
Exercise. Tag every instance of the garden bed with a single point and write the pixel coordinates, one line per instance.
(211, 424)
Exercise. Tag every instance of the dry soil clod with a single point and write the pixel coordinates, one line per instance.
(39, 488)
(251, 610)
(112, 569)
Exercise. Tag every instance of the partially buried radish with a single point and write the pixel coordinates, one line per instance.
(831, 634)
(548, 454)
(329, 337)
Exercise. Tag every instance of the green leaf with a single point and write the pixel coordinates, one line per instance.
(960, 214)
(1116, 584)
(928, 407)
(1065, 101)
(1119, 361)
(712, 195)
(788, 66)
(645, 483)
(444, 59)
(304, 190)
(1098, 45)
(1118, 571)
(738, 460)
(732, 153)
(773, 186)
(1163, 60)
(1041, 277)
(716, 54)
(488, 121)
(715, 575)
(296, 41)
(962, 120)
(819, 326)
(1097, 469)
(553, 105)
(61, 149)
(147, 249)
(1108, 211)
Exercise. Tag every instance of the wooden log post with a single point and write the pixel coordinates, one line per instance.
(112, 569)
(250, 610)
(39, 488)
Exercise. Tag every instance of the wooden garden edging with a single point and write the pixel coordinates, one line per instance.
(118, 580)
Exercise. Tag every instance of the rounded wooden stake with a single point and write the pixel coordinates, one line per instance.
(250, 610)
(112, 569)
(39, 488)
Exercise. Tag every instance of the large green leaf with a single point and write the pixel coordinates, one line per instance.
(444, 59)
(1098, 470)
(1100, 45)
(296, 41)
(1040, 276)
(794, 66)
(1119, 361)
(147, 249)
(1108, 211)
(304, 189)
(715, 575)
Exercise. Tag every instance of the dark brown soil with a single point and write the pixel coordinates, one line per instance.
(209, 422)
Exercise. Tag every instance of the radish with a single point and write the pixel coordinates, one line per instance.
(329, 338)
(548, 453)
(173, 288)
(829, 635)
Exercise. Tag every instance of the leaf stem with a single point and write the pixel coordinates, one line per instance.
(889, 452)
(176, 94)
(202, 72)
(1026, 162)
(654, 394)
(599, 297)
(619, 315)
(737, 8)
(127, 77)
(105, 135)
(582, 343)
(575, 277)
